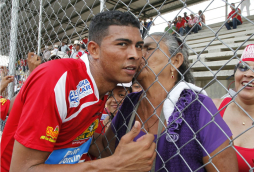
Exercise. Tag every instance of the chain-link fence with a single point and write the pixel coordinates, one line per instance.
(49, 26)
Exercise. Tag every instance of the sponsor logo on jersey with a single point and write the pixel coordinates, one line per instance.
(3, 101)
(68, 155)
(87, 133)
(83, 89)
(51, 135)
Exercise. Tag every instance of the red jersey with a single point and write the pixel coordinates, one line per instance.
(238, 17)
(55, 113)
(4, 107)
(180, 24)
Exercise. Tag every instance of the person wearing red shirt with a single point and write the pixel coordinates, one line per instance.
(236, 18)
(56, 111)
(185, 17)
(180, 25)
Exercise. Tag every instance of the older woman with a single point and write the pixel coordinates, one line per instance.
(185, 122)
(234, 110)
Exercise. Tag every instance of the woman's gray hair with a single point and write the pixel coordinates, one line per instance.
(175, 46)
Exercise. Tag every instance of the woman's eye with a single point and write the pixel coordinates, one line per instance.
(150, 48)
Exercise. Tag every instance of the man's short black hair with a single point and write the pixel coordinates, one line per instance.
(98, 28)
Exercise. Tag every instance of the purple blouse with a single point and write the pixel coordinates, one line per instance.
(197, 115)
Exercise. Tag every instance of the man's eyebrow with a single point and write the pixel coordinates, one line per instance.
(124, 39)
(140, 42)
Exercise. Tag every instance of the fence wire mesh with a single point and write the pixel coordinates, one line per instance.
(210, 55)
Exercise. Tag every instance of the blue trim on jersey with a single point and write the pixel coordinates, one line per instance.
(68, 155)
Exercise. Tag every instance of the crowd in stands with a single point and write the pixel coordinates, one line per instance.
(70, 96)
(186, 25)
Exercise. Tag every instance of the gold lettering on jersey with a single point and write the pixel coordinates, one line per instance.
(89, 131)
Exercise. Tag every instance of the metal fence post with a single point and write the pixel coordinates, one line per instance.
(226, 10)
(102, 5)
(13, 44)
(39, 29)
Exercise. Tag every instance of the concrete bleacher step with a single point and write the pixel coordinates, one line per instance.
(208, 75)
(219, 42)
(217, 48)
(223, 32)
(251, 17)
(216, 56)
(246, 31)
(214, 65)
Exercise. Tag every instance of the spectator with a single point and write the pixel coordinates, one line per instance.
(180, 112)
(56, 48)
(115, 100)
(141, 26)
(191, 25)
(202, 16)
(236, 18)
(245, 3)
(136, 87)
(57, 109)
(144, 29)
(82, 50)
(236, 118)
(4, 103)
(180, 25)
(185, 17)
(148, 27)
(170, 29)
(85, 40)
(75, 49)
(64, 48)
(46, 53)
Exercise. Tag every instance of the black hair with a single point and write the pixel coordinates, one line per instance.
(98, 28)
(83, 46)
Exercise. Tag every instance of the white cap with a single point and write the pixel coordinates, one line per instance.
(76, 42)
(56, 46)
(124, 84)
(60, 54)
(248, 53)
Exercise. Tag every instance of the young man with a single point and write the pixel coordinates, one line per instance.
(60, 104)
(191, 25)
(236, 18)
(180, 25)
(170, 29)
(75, 49)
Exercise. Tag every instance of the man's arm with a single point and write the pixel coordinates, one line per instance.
(128, 156)
(103, 145)
(224, 161)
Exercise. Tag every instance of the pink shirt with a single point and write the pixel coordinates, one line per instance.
(193, 21)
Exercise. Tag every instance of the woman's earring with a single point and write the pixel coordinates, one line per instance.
(172, 75)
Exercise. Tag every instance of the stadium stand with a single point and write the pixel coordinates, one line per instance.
(217, 55)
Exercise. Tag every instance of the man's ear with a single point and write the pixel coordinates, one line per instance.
(94, 49)
(177, 61)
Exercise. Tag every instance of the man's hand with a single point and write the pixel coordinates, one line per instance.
(5, 81)
(134, 156)
(33, 61)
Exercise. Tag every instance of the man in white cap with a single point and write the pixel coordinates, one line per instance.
(75, 49)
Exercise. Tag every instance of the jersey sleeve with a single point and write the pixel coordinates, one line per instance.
(40, 122)
(214, 130)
